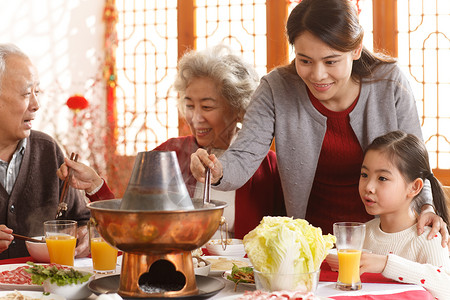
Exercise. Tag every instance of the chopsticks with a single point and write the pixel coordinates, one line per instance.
(62, 206)
(26, 238)
(207, 187)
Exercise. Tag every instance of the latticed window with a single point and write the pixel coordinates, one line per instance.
(152, 35)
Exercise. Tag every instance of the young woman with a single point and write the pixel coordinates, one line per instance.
(215, 88)
(322, 110)
(392, 175)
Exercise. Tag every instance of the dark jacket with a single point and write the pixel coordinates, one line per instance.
(35, 195)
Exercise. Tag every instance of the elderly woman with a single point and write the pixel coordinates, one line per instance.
(215, 88)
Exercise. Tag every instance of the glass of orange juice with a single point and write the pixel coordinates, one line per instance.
(61, 239)
(104, 256)
(349, 242)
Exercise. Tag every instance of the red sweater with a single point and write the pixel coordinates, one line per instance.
(260, 196)
(337, 174)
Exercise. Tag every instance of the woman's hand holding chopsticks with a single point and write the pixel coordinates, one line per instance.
(199, 160)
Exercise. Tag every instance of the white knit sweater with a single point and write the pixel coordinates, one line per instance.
(412, 258)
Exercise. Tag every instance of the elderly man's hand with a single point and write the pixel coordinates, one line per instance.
(82, 249)
(5, 237)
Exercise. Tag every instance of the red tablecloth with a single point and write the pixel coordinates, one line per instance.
(18, 260)
(408, 295)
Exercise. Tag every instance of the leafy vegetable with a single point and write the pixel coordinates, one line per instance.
(59, 275)
(243, 274)
(282, 245)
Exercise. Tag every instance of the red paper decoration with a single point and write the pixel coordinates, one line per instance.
(77, 102)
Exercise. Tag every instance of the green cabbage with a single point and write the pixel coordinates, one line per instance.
(282, 245)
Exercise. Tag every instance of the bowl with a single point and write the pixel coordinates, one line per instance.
(201, 266)
(300, 282)
(38, 251)
(234, 247)
(69, 291)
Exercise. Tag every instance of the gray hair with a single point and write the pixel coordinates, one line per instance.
(236, 80)
(5, 51)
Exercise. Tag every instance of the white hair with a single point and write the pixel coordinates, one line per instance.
(5, 51)
(236, 80)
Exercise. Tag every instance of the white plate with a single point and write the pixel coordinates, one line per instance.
(34, 295)
(227, 273)
(22, 287)
(226, 263)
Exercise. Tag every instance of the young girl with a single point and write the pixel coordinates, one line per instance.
(392, 174)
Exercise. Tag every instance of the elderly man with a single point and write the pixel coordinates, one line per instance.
(30, 188)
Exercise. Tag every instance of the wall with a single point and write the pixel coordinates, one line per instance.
(64, 39)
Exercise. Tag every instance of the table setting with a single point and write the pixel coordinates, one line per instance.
(374, 286)
(164, 250)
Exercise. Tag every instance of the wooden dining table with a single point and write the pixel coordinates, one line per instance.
(374, 286)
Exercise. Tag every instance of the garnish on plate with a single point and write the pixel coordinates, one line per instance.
(243, 274)
(57, 274)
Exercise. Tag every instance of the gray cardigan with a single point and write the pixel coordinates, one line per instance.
(281, 109)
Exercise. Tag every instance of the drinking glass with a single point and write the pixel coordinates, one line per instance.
(61, 239)
(104, 256)
(349, 242)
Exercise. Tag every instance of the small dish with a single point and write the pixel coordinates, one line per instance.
(38, 251)
(234, 247)
(220, 264)
(228, 273)
(31, 294)
(201, 268)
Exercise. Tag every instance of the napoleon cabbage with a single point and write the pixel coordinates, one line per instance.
(283, 245)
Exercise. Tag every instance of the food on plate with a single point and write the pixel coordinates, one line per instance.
(109, 297)
(16, 295)
(198, 262)
(281, 245)
(223, 263)
(197, 252)
(21, 275)
(16, 276)
(219, 242)
(201, 266)
(259, 295)
(243, 274)
(56, 274)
